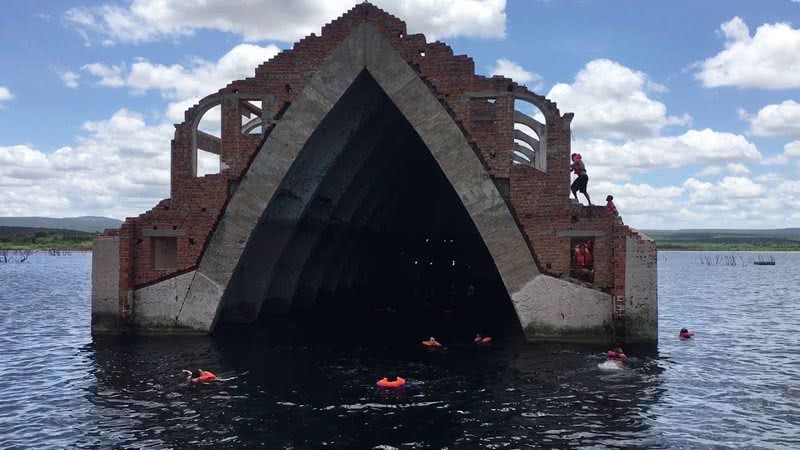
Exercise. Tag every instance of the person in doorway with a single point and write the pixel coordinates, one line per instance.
(612, 208)
(583, 263)
(579, 185)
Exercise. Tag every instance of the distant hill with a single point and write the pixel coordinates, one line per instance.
(720, 239)
(90, 224)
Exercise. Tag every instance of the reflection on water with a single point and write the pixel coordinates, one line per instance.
(735, 385)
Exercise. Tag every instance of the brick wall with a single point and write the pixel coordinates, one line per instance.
(540, 201)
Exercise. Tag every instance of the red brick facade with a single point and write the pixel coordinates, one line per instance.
(539, 200)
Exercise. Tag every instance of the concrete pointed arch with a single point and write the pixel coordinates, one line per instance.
(365, 48)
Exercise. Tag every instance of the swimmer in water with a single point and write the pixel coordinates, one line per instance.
(200, 376)
(204, 376)
(391, 381)
(481, 340)
(685, 334)
(432, 342)
(617, 353)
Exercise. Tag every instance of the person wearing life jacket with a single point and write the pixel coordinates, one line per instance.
(200, 376)
(612, 208)
(583, 257)
(685, 334)
(583, 268)
(617, 353)
(431, 343)
(579, 185)
(391, 382)
(481, 340)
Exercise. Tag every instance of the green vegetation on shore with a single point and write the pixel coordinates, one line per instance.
(23, 238)
(787, 239)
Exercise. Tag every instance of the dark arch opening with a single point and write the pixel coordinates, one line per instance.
(383, 246)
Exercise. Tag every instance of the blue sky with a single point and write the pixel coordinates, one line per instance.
(687, 111)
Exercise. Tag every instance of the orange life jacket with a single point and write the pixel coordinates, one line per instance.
(431, 344)
(384, 382)
(614, 354)
(583, 258)
(205, 377)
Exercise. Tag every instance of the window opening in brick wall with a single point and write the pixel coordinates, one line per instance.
(530, 142)
(165, 252)
(207, 163)
(208, 143)
(252, 121)
(582, 259)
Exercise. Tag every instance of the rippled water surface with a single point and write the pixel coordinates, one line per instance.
(737, 384)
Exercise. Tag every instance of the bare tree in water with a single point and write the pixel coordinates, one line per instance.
(25, 254)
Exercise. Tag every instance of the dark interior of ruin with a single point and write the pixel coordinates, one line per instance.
(383, 246)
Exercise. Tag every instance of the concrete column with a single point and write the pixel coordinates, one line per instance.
(106, 317)
(641, 290)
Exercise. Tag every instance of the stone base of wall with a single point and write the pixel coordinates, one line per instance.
(556, 310)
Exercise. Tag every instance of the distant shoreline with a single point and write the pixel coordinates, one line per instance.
(724, 247)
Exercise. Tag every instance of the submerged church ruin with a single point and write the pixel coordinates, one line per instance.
(367, 173)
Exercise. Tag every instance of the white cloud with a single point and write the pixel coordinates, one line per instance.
(255, 20)
(790, 150)
(182, 85)
(610, 101)
(119, 167)
(709, 171)
(775, 120)
(707, 147)
(738, 169)
(510, 69)
(5, 94)
(768, 59)
(110, 76)
(70, 79)
(766, 201)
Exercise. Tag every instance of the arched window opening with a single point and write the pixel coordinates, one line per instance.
(530, 136)
(207, 142)
(252, 121)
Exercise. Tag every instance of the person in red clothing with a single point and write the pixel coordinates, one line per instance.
(200, 376)
(583, 263)
(610, 205)
(583, 257)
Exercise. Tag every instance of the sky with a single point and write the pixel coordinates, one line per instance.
(687, 111)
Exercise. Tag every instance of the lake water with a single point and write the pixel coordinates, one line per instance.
(736, 385)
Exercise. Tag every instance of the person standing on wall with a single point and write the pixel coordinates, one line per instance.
(579, 185)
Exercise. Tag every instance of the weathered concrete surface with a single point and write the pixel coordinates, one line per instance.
(553, 309)
(158, 305)
(364, 48)
(105, 286)
(641, 290)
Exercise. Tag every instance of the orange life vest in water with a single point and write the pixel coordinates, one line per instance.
(205, 377)
(486, 340)
(383, 382)
(431, 344)
(614, 354)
